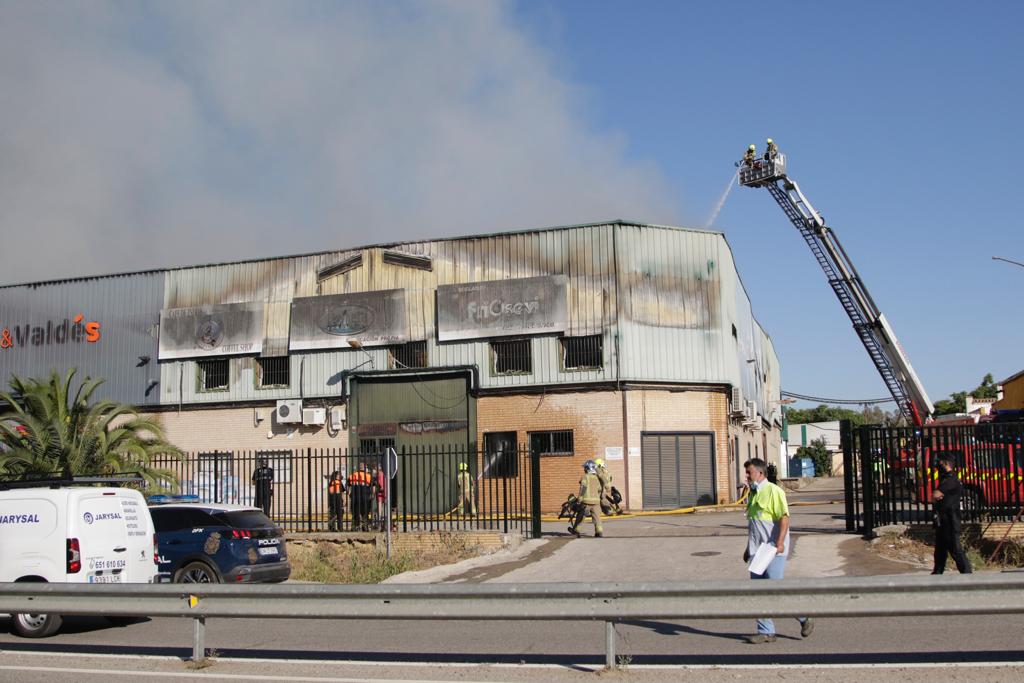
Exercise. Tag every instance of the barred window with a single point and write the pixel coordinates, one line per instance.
(273, 372)
(512, 357)
(501, 457)
(551, 443)
(411, 355)
(583, 353)
(213, 374)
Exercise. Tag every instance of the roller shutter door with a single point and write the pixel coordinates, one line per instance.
(678, 469)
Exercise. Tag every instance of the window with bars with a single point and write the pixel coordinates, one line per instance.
(273, 372)
(551, 443)
(583, 353)
(500, 455)
(512, 357)
(213, 374)
(411, 355)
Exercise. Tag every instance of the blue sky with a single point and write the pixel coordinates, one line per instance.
(900, 121)
(154, 134)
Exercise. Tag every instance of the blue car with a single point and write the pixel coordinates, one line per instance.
(217, 543)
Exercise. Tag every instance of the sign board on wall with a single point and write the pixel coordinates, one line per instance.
(204, 331)
(613, 453)
(328, 322)
(531, 305)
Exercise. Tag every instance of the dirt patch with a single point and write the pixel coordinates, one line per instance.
(360, 561)
(915, 546)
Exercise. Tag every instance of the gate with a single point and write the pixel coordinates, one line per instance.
(890, 473)
(427, 492)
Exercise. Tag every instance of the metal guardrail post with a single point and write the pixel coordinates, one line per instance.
(609, 644)
(198, 639)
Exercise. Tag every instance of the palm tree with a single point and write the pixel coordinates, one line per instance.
(51, 427)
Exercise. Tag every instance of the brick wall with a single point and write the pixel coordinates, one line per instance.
(660, 410)
(237, 429)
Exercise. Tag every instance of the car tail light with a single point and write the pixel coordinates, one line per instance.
(156, 551)
(240, 533)
(74, 556)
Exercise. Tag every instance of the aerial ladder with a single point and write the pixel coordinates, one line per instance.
(874, 331)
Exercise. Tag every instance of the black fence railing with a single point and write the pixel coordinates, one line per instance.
(432, 489)
(891, 472)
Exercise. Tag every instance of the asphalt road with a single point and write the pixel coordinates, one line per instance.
(655, 548)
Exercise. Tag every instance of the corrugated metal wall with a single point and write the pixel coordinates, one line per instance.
(127, 309)
(669, 314)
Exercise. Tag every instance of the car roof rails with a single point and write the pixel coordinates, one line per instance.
(56, 481)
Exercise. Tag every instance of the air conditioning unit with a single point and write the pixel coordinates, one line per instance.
(736, 405)
(337, 417)
(314, 416)
(751, 412)
(289, 411)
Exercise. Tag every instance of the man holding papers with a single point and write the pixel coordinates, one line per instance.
(767, 540)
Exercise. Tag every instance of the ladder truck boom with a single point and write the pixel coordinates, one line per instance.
(870, 325)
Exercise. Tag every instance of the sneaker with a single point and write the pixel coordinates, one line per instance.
(599, 534)
(574, 532)
(759, 638)
(807, 628)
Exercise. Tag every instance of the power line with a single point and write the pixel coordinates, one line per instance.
(839, 401)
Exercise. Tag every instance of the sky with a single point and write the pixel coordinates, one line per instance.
(140, 135)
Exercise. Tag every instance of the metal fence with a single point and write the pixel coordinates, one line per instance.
(872, 596)
(891, 472)
(430, 491)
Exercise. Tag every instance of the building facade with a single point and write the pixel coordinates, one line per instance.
(634, 343)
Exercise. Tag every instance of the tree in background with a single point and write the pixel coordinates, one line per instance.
(818, 452)
(824, 413)
(50, 427)
(957, 401)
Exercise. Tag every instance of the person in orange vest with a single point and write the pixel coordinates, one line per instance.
(335, 500)
(360, 487)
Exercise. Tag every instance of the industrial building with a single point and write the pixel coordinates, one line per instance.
(634, 343)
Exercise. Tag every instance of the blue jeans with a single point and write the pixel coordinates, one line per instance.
(776, 570)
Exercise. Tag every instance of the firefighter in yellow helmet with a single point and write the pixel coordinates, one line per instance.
(591, 492)
(749, 156)
(465, 484)
(606, 485)
(771, 150)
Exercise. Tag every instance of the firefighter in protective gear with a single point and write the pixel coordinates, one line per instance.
(591, 492)
(750, 155)
(360, 487)
(465, 483)
(771, 150)
(606, 485)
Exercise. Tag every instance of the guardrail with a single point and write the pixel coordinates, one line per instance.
(873, 596)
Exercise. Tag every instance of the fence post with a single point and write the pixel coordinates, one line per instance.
(309, 489)
(535, 493)
(867, 479)
(504, 502)
(846, 441)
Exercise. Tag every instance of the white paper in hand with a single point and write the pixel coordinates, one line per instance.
(766, 552)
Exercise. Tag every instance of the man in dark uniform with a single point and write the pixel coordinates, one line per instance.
(263, 480)
(947, 520)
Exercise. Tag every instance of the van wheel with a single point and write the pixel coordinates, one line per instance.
(36, 625)
(196, 572)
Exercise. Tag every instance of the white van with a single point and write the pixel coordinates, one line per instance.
(73, 534)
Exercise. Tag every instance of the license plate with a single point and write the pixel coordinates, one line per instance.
(105, 578)
(268, 551)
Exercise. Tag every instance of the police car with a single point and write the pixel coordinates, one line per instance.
(216, 542)
(64, 531)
